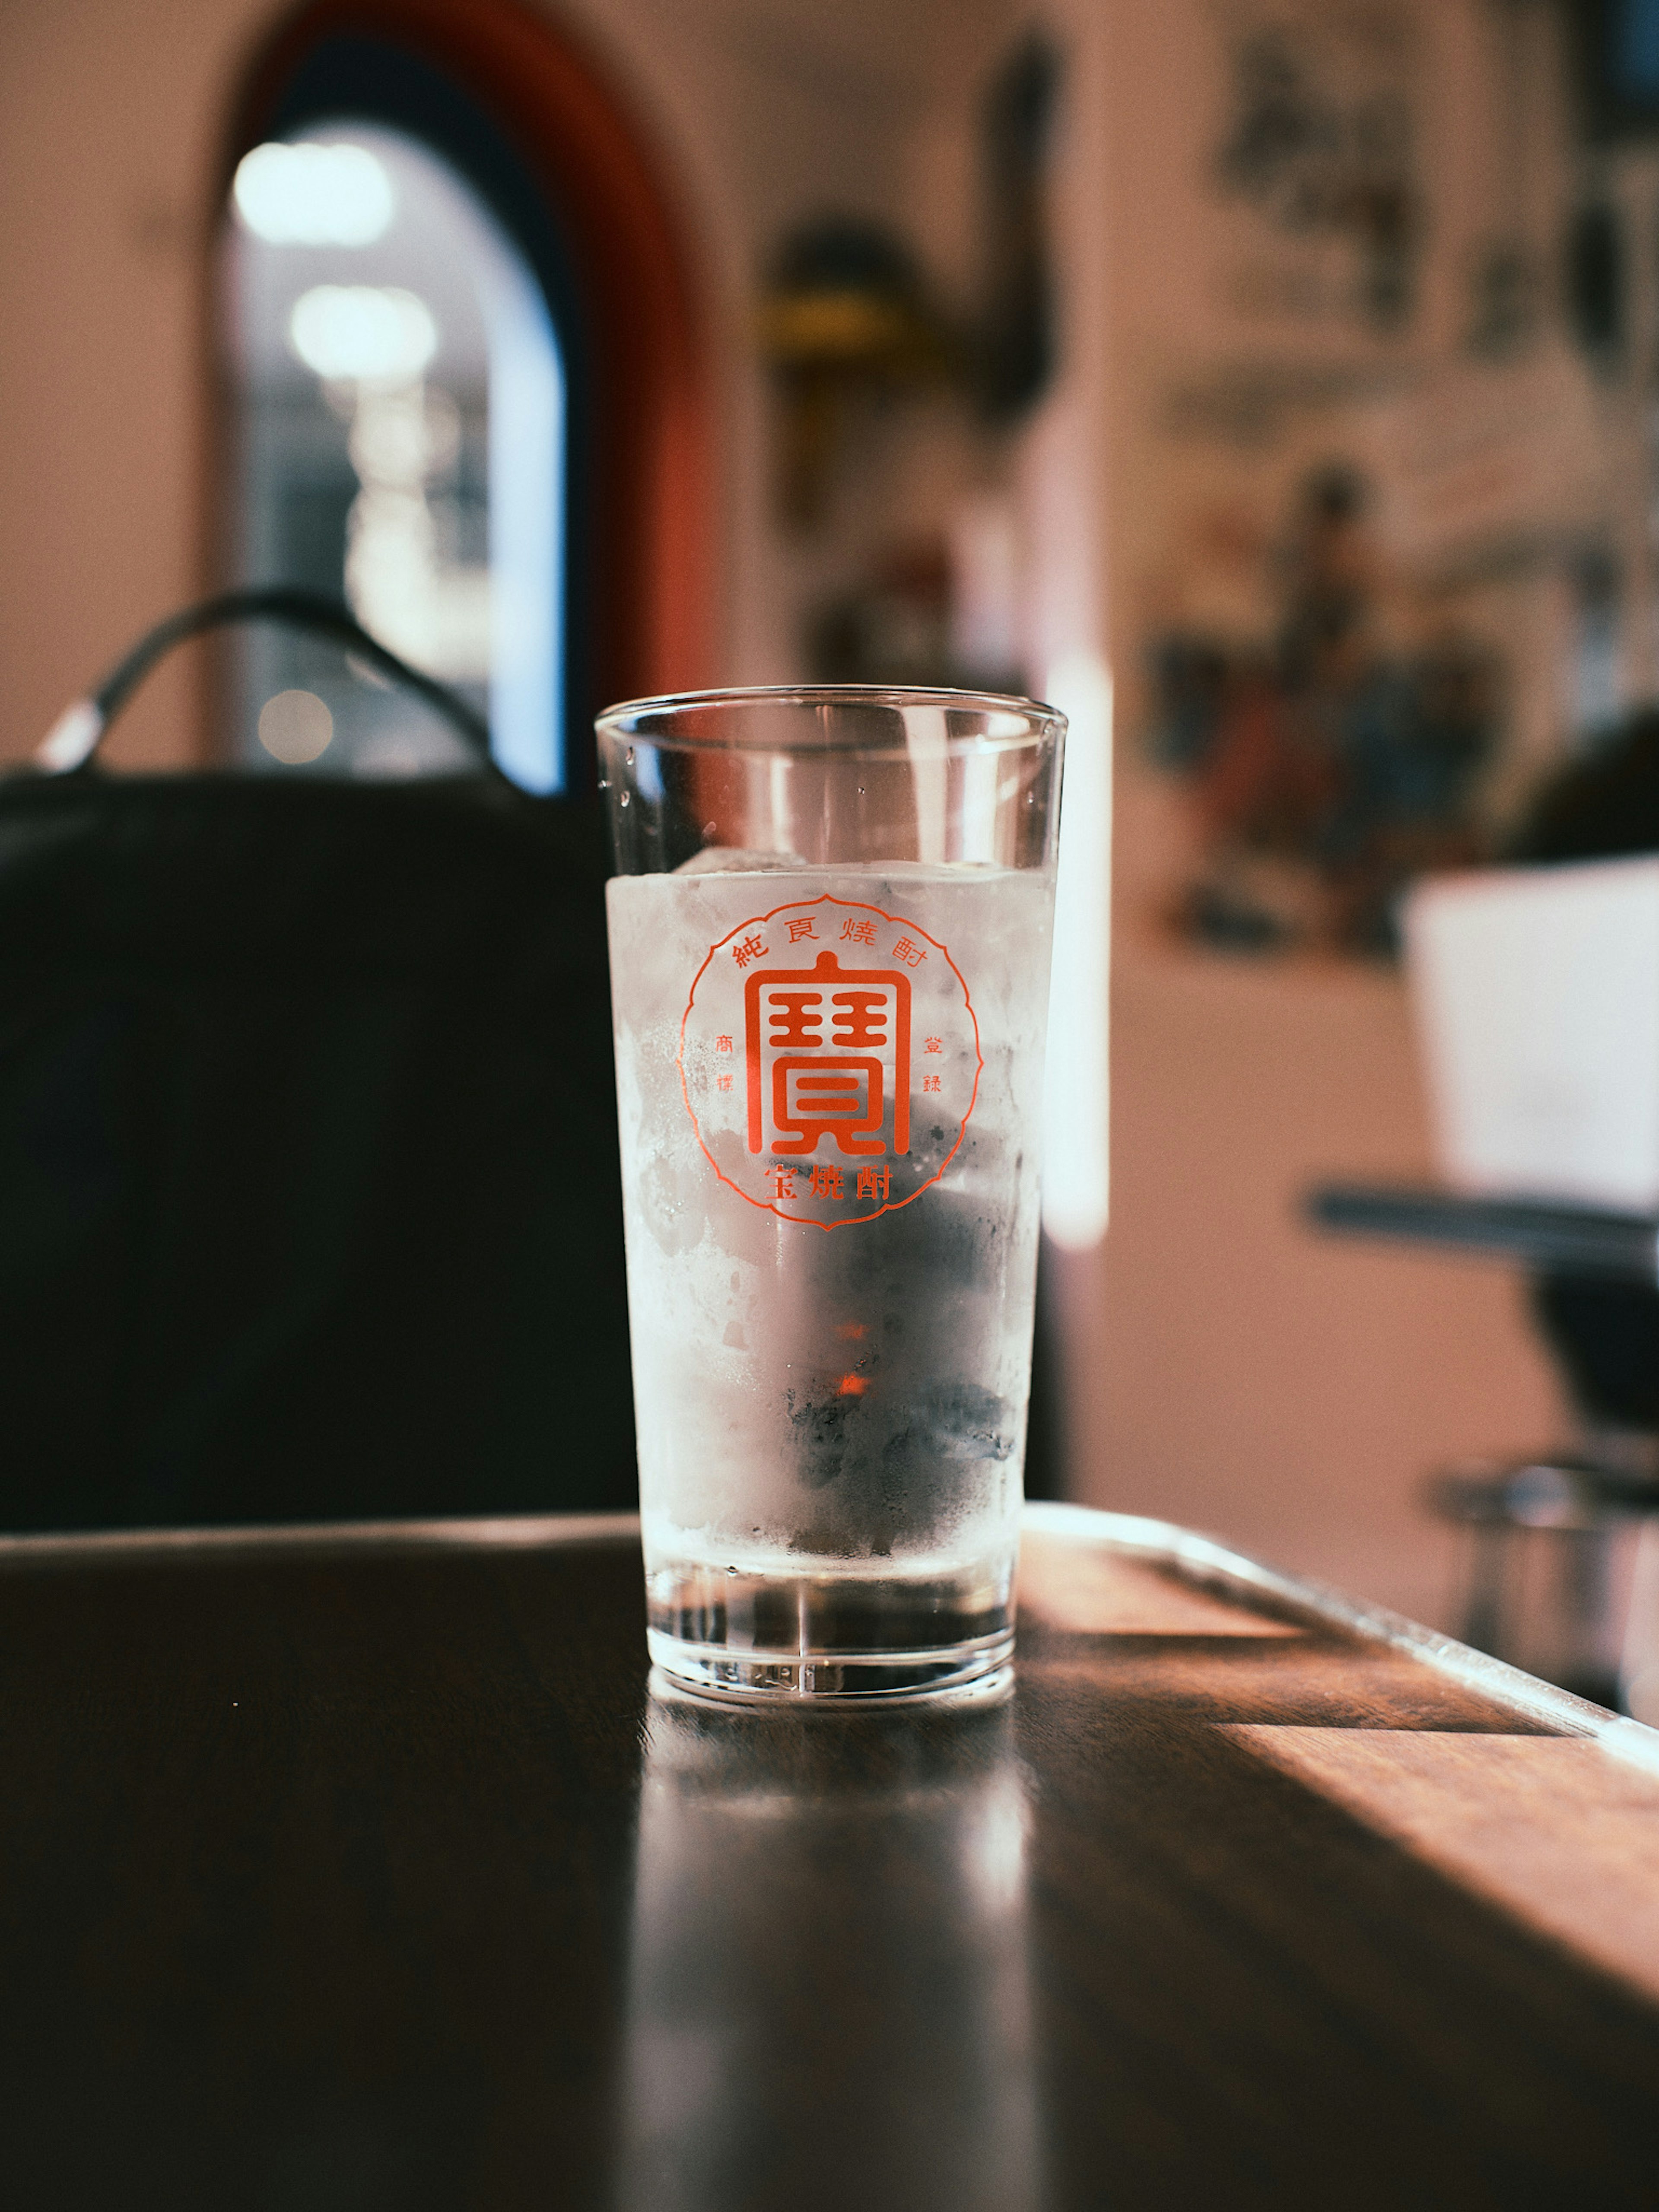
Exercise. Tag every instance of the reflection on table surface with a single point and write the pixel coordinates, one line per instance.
(828, 1960)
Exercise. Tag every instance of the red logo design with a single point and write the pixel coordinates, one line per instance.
(827, 1072)
(827, 1047)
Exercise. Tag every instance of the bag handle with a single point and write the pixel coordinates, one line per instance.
(73, 740)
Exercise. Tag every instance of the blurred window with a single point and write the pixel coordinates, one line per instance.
(400, 440)
(1635, 43)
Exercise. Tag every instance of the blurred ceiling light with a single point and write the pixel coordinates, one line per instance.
(363, 330)
(314, 195)
(295, 727)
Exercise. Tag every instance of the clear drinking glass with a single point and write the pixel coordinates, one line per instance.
(830, 943)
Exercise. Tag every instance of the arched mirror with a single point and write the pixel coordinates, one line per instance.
(399, 439)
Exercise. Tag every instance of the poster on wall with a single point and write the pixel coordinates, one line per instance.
(1315, 168)
(1382, 547)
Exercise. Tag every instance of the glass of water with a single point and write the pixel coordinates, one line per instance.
(829, 943)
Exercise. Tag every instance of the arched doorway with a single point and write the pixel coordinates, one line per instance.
(524, 118)
(400, 431)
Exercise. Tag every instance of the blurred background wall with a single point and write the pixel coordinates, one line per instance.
(760, 113)
(1134, 276)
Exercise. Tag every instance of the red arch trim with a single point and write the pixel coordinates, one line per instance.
(652, 514)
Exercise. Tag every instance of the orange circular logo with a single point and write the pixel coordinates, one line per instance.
(829, 1056)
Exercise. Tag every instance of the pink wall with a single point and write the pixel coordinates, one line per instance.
(1286, 1388)
(1233, 1370)
(105, 139)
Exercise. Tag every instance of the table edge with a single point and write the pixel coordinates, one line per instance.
(1190, 1553)
(505, 1532)
(1210, 1560)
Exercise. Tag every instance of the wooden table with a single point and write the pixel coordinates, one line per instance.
(361, 1869)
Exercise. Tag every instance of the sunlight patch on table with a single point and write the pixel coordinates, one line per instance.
(1095, 1592)
(1549, 1828)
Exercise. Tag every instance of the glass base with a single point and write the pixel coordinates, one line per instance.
(764, 1637)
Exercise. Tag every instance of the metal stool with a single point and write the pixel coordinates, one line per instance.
(1563, 1549)
(1553, 1545)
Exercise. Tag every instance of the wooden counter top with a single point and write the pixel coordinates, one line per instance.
(364, 1867)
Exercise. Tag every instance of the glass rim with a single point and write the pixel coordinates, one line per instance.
(1041, 720)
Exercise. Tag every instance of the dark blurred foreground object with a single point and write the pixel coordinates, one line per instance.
(309, 1196)
(1604, 806)
(1547, 1532)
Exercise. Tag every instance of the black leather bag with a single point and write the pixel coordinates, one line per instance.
(309, 1196)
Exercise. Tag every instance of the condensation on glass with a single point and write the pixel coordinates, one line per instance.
(400, 421)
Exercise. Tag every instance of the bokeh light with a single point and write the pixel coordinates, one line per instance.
(365, 331)
(314, 195)
(294, 727)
